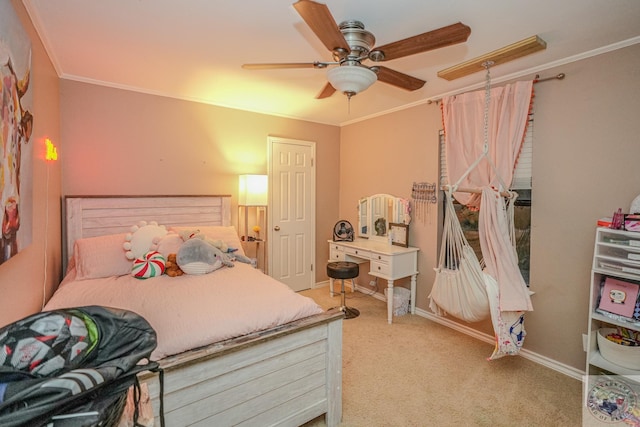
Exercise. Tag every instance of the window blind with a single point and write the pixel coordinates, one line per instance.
(522, 172)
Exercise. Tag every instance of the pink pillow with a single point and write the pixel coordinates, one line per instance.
(101, 256)
(227, 234)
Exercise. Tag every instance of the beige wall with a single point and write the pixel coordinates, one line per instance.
(24, 279)
(388, 154)
(123, 142)
(585, 165)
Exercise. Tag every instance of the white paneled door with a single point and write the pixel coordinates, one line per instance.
(292, 218)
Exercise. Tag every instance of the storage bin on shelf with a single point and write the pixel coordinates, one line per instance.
(621, 355)
(401, 297)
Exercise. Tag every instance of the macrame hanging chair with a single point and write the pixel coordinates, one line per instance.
(460, 288)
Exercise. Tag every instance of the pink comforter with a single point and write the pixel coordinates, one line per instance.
(192, 311)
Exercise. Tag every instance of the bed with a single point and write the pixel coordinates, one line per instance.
(285, 368)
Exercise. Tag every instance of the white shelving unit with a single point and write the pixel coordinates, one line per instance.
(610, 259)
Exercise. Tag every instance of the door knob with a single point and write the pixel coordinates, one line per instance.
(277, 228)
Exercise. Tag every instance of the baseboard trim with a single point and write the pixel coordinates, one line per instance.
(567, 370)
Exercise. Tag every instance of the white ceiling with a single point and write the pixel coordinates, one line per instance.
(194, 49)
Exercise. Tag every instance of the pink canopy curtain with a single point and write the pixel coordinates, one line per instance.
(499, 253)
(463, 117)
(475, 163)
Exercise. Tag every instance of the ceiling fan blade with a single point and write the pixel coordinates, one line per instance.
(326, 92)
(319, 19)
(396, 78)
(285, 65)
(442, 37)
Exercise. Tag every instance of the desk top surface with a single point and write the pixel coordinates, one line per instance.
(376, 246)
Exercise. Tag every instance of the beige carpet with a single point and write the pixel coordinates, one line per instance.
(418, 373)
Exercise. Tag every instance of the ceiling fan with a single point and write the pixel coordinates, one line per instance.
(351, 44)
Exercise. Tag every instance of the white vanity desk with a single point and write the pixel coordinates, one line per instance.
(386, 261)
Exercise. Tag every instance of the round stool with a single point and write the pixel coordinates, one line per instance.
(344, 270)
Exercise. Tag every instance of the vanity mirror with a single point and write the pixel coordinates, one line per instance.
(376, 212)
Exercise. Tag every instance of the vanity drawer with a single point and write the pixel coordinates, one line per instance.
(381, 258)
(358, 253)
(380, 268)
(336, 254)
(335, 247)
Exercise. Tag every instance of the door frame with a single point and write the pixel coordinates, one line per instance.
(271, 140)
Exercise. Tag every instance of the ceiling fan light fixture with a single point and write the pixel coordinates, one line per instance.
(350, 79)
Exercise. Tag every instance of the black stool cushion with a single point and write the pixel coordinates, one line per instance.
(342, 270)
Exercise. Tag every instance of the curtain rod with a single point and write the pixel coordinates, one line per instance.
(536, 79)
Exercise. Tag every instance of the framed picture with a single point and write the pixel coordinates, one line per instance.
(399, 234)
(16, 153)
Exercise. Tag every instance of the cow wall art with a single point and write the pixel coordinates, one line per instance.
(16, 124)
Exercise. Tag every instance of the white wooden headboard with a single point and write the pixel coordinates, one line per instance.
(90, 216)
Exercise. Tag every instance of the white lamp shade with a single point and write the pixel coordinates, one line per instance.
(351, 79)
(252, 190)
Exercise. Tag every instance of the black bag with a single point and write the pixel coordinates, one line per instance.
(71, 367)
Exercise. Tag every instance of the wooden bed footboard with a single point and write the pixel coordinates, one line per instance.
(282, 377)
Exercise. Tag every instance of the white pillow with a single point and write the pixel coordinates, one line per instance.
(143, 238)
(101, 256)
(227, 234)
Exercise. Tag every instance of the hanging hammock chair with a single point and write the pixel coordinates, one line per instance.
(459, 288)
